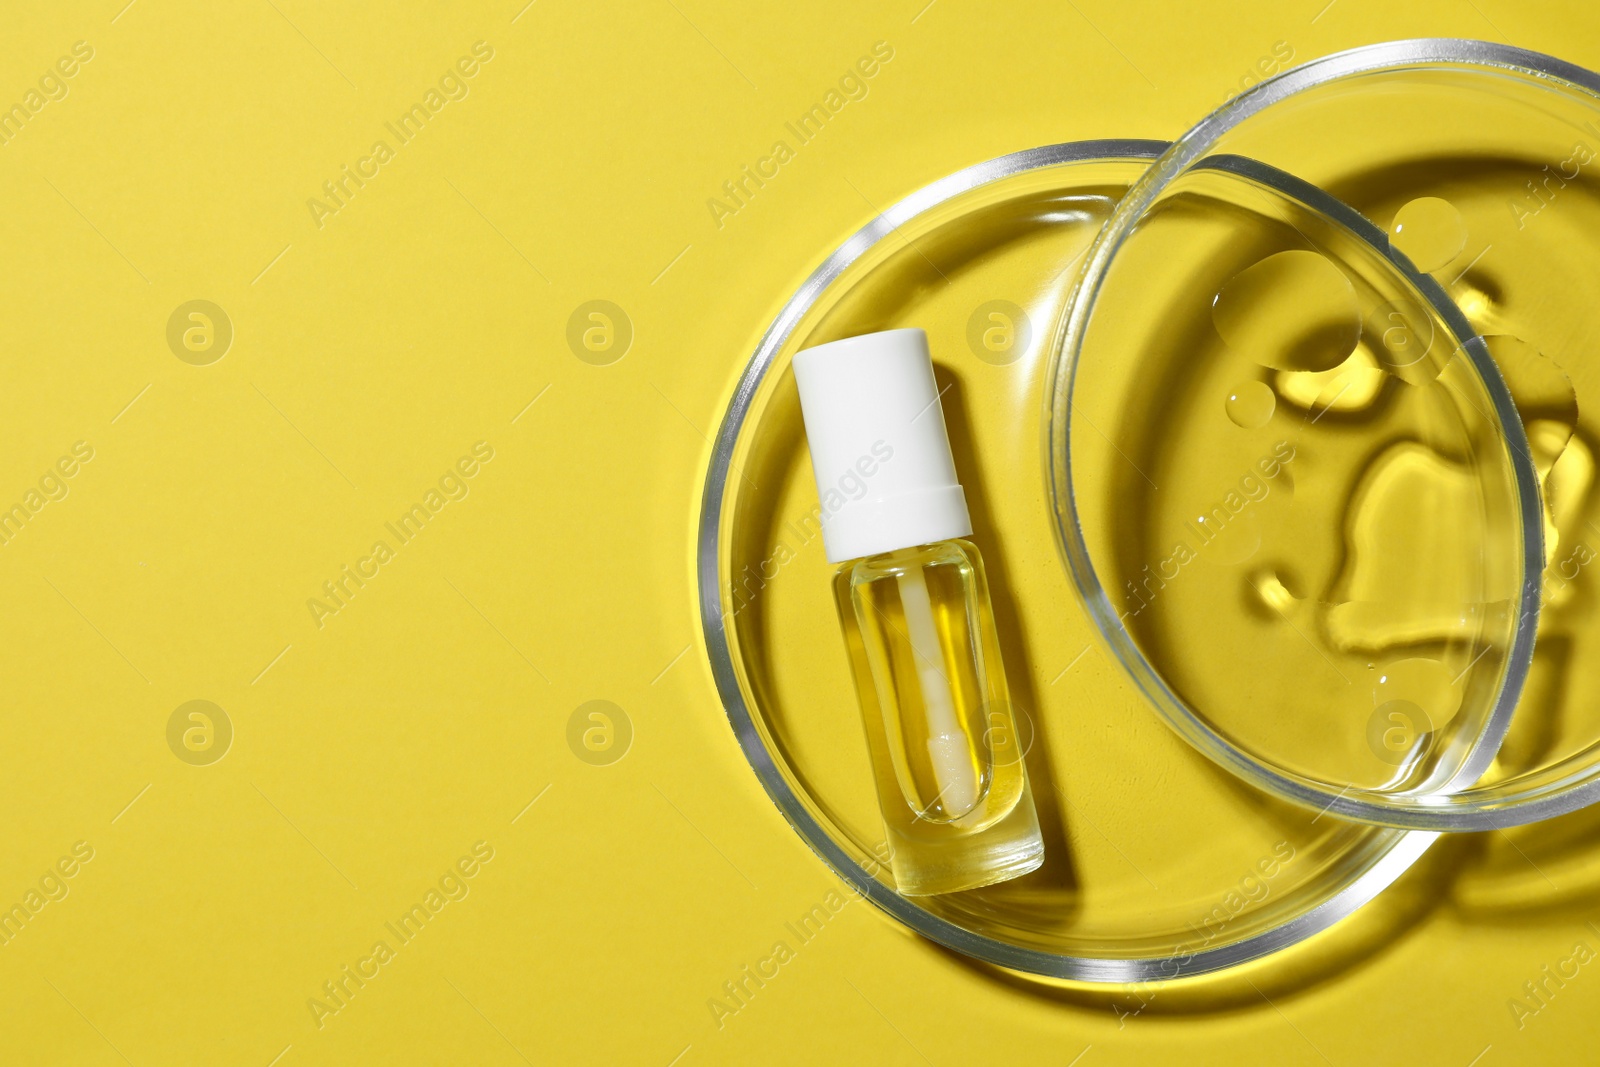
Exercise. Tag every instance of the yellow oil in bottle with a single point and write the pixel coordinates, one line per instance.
(946, 747)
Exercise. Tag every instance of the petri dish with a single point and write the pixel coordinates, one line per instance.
(1370, 263)
(985, 260)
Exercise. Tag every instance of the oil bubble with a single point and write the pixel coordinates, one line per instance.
(1292, 311)
(1250, 404)
(1430, 231)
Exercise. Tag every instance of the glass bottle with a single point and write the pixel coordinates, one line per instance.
(918, 624)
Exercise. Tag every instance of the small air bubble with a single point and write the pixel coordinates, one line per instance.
(1430, 231)
(1250, 404)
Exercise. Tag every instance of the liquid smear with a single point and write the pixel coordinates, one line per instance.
(1416, 573)
(1416, 570)
(1363, 517)
(1416, 517)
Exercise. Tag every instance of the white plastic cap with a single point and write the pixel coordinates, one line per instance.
(879, 449)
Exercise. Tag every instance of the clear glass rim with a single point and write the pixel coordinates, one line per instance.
(1457, 805)
(1386, 860)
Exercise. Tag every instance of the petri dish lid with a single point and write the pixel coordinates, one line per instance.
(984, 260)
(1322, 437)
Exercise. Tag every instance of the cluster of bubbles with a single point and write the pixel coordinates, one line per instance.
(1296, 317)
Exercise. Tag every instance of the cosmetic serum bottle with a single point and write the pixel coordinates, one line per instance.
(917, 620)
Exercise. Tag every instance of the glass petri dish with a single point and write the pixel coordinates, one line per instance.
(1391, 633)
(985, 261)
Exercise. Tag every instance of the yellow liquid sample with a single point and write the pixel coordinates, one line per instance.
(946, 750)
(1275, 561)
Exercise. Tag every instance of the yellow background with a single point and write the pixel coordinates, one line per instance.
(369, 354)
